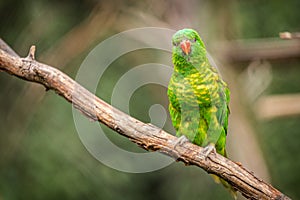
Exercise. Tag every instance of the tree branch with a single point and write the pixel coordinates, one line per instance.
(248, 50)
(283, 105)
(147, 136)
(289, 36)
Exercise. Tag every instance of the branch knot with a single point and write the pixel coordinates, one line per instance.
(31, 53)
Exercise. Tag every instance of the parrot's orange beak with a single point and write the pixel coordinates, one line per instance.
(185, 46)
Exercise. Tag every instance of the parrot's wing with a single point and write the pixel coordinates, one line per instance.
(224, 94)
(227, 94)
(174, 107)
(223, 109)
(175, 116)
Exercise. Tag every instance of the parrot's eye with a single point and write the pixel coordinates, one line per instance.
(175, 43)
(194, 40)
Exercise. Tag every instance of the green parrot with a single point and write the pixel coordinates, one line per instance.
(198, 97)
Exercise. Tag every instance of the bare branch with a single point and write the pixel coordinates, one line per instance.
(270, 49)
(278, 106)
(289, 36)
(147, 136)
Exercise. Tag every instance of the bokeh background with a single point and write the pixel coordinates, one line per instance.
(41, 155)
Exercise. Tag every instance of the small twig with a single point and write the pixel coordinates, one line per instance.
(31, 53)
(147, 136)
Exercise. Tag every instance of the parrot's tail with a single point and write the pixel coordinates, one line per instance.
(218, 180)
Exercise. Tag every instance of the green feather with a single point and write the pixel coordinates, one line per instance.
(198, 96)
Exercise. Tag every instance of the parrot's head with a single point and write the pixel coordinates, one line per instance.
(188, 47)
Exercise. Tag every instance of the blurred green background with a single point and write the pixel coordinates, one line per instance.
(41, 155)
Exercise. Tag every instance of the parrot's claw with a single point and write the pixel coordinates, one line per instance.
(181, 140)
(208, 149)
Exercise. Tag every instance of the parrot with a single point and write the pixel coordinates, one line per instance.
(198, 97)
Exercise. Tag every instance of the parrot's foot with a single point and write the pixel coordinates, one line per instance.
(208, 149)
(181, 140)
